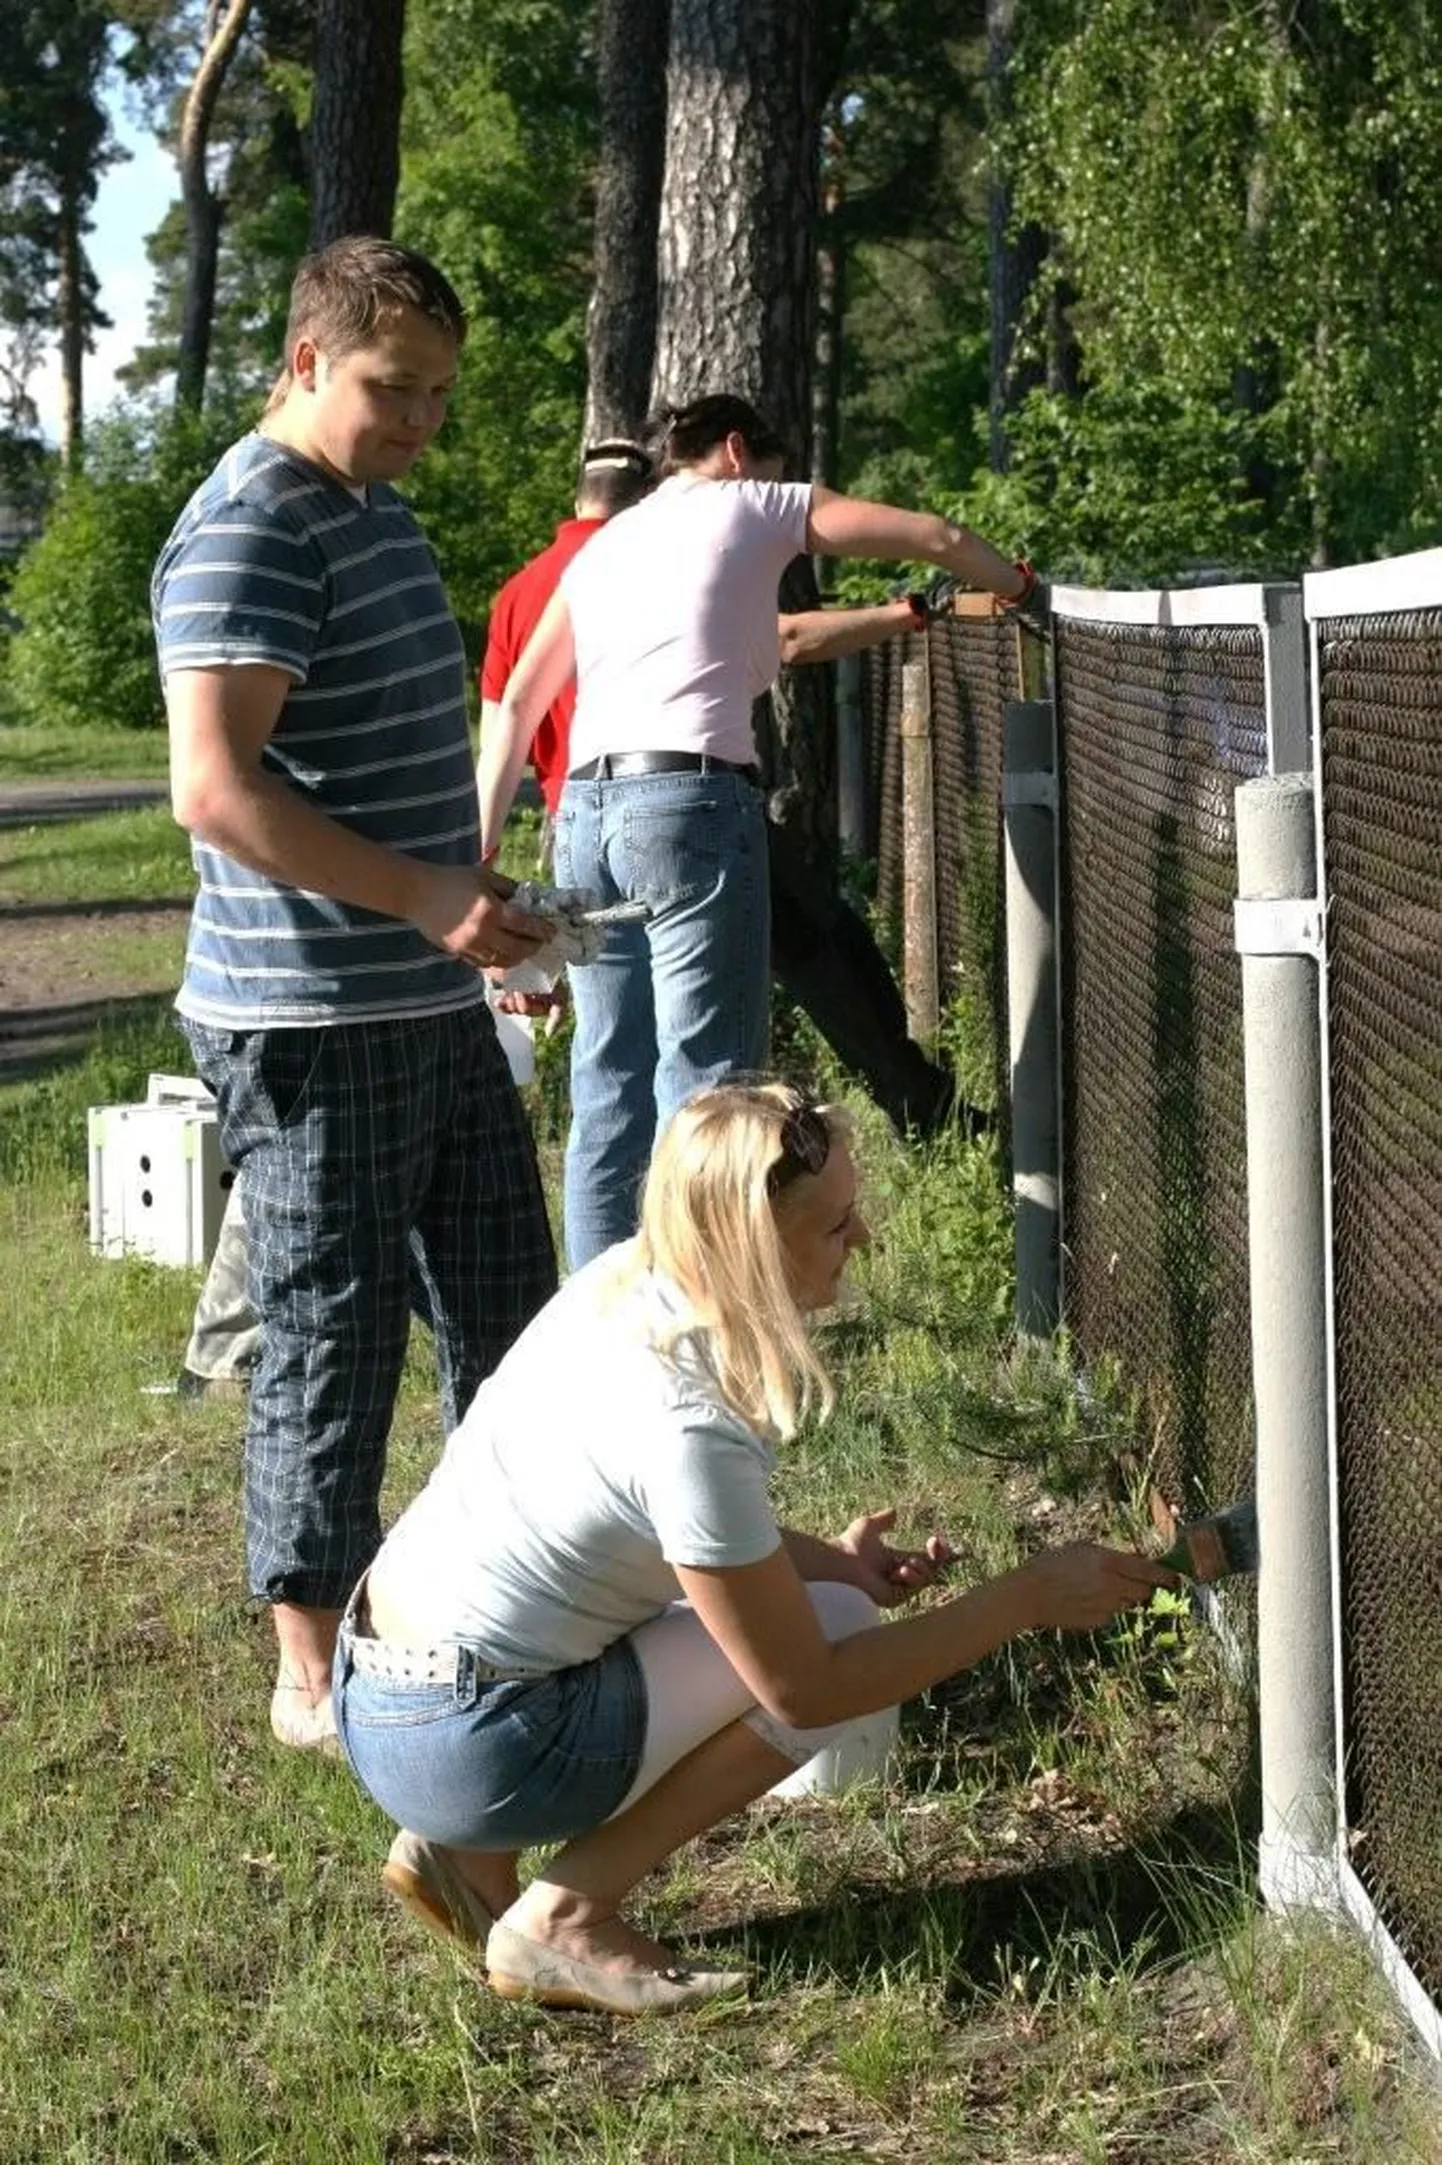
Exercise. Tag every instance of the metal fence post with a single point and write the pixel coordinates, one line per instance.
(918, 838)
(1279, 929)
(1029, 801)
(851, 821)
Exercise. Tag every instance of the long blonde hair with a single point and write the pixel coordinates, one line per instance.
(709, 1224)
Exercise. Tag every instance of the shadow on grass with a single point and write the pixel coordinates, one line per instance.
(1170, 1897)
(37, 1042)
(117, 906)
(28, 806)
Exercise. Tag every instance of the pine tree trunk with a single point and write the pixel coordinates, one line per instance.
(621, 320)
(70, 308)
(735, 312)
(738, 208)
(202, 206)
(737, 257)
(1015, 258)
(355, 121)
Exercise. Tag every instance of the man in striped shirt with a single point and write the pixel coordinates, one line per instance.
(315, 686)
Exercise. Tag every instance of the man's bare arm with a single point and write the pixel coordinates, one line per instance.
(220, 723)
(824, 635)
(546, 666)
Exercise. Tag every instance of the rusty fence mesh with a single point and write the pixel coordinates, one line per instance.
(974, 667)
(1156, 726)
(1380, 688)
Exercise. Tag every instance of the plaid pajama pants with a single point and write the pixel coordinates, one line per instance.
(387, 1164)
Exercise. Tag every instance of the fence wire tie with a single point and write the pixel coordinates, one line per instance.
(1280, 925)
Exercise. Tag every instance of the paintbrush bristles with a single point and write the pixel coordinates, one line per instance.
(1218, 1546)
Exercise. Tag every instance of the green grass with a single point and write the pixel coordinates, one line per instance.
(29, 753)
(1038, 1944)
(132, 856)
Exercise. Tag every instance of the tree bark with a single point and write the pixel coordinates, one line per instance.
(355, 123)
(1015, 258)
(70, 310)
(735, 312)
(631, 41)
(223, 27)
(736, 255)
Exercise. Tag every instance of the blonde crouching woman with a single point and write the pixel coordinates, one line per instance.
(589, 1628)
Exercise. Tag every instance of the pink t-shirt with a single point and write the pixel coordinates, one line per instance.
(673, 609)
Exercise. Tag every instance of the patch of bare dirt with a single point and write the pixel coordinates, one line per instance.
(64, 972)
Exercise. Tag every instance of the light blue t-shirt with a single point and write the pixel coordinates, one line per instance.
(274, 562)
(590, 1463)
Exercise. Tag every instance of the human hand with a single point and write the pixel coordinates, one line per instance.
(471, 915)
(1082, 1585)
(891, 1576)
(535, 1000)
(932, 600)
(565, 910)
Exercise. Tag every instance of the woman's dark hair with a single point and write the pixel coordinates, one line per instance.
(682, 435)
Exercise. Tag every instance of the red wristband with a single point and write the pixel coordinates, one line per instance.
(1024, 565)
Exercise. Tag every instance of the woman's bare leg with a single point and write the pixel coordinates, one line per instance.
(573, 1903)
(489, 1873)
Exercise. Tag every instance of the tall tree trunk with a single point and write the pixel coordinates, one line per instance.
(355, 121)
(631, 38)
(830, 316)
(70, 308)
(223, 27)
(735, 313)
(1015, 258)
(737, 259)
(736, 255)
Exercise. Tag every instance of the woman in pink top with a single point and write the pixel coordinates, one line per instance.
(668, 621)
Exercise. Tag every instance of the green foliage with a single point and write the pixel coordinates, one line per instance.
(497, 139)
(1247, 210)
(1132, 484)
(258, 170)
(84, 656)
(54, 144)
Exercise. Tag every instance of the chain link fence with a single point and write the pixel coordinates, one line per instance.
(1164, 704)
(974, 666)
(1379, 688)
(1156, 726)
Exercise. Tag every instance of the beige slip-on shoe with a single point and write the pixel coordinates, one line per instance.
(522, 1969)
(424, 1881)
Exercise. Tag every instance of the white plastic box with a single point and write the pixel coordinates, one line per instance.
(158, 1181)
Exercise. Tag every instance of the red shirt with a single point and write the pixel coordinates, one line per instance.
(519, 607)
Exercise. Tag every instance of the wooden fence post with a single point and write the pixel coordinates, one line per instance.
(918, 838)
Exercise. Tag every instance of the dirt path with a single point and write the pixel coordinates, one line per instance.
(64, 971)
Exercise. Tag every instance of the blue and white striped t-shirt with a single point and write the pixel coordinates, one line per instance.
(273, 562)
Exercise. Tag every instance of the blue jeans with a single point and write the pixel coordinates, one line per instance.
(473, 1763)
(668, 1006)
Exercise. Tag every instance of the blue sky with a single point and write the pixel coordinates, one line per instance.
(131, 203)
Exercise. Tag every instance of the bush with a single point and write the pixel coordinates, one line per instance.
(84, 655)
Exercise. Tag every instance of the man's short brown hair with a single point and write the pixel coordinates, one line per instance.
(340, 295)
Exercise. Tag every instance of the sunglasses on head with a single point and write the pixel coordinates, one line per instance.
(805, 1146)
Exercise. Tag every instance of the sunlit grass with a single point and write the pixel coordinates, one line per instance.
(1037, 1943)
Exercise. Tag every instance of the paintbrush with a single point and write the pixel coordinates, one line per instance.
(1218, 1546)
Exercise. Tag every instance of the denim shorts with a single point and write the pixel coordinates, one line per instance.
(478, 1763)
